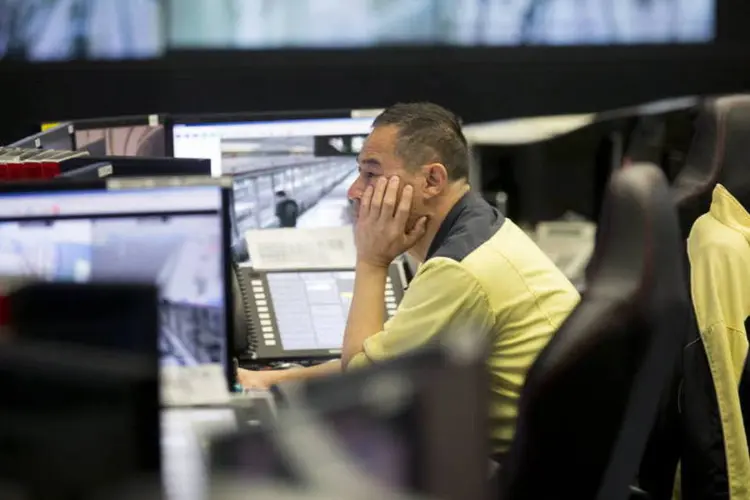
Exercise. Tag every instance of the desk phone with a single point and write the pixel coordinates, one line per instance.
(301, 314)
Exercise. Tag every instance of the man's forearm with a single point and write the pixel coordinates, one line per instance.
(330, 368)
(366, 314)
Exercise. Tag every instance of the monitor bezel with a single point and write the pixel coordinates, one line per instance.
(198, 166)
(63, 129)
(57, 184)
(118, 121)
(73, 185)
(258, 116)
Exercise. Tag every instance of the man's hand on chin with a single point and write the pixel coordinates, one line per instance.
(381, 233)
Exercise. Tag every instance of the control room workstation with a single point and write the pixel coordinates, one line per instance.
(114, 210)
(233, 286)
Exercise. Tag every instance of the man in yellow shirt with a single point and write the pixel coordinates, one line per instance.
(478, 270)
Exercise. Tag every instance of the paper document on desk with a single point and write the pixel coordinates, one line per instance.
(294, 248)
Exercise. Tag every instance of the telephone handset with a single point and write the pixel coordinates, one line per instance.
(299, 314)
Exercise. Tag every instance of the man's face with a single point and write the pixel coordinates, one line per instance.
(377, 159)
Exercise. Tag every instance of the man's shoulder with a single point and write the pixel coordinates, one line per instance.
(443, 275)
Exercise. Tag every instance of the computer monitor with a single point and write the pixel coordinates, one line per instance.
(59, 137)
(174, 237)
(311, 159)
(381, 446)
(396, 421)
(124, 136)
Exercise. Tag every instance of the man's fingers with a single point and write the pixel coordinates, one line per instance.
(404, 207)
(365, 202)
(377, 197)
(390, 198)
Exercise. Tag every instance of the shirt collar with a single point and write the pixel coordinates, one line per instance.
(449, 221)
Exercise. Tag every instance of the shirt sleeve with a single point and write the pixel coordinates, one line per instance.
(718, 290)
(719, 296)
(443, 296)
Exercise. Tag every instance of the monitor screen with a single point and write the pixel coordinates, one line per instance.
(59, 30)
(169, 236)
(311, 161)
(133, 140)
(311, 308)
(270, 24)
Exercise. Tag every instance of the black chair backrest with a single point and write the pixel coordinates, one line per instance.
(719, 153)
(592, 396)
(662, 139)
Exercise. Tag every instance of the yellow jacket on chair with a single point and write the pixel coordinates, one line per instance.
(719, 253)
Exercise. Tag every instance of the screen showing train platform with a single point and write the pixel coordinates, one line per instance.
(311, 308)
(134, 140)
(290, 173)
(171, 237)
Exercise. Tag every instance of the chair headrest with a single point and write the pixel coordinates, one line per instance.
(720, 153)
(638, 242)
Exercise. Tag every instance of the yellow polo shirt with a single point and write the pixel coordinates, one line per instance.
(482, 270)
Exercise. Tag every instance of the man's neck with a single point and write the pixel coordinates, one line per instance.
(419, 251)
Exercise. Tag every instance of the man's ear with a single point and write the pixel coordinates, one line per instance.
(436, 179)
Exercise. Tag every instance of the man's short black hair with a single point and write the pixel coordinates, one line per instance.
(281, 194)
(428, 133)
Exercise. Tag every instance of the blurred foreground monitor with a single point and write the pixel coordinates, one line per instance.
(395, 421)
(80, 395)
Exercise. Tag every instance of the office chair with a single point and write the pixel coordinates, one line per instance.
(592, 396)
(718, 154)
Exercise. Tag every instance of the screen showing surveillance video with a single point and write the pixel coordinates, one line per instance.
(170, 237)
(292, 173)
(136, 140)
(268, 24)
(61, 30)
